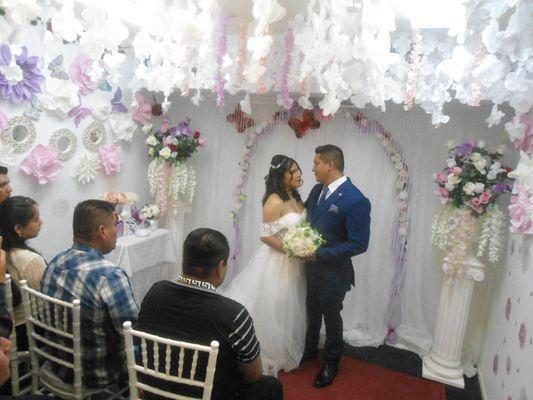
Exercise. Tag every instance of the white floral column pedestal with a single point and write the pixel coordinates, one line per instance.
(443, 364)
(174, 222)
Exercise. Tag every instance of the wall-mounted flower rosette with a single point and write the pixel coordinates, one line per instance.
(469, 188)
(169, 176)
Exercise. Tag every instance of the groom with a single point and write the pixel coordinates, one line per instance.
(341, 213)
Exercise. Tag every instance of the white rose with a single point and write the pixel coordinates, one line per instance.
(450, 144)
(475, 157)
(151, 140)
(492, 175)
(147, 128)
(450, 162)
(165, 152)
(469, 188)
(501, 149)
(480, 165)
(481, 144)
(479, 187)
(453, 179)
(449, 187)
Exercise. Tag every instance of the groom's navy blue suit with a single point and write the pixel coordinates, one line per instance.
(343, 219)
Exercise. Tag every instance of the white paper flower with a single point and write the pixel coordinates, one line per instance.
(516, 129)
(305, 103)
(100, 104)
(66, 25)
(6, 155)
(21, 11)
(122, 126)
(246, 107)
(87, 168)
(495, 116)
(60, 96)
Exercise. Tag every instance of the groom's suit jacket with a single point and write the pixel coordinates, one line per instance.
(343, 219)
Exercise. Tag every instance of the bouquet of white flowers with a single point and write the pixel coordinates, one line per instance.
(149, 211)
(302, 240)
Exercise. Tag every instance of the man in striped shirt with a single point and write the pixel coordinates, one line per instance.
(190, 309)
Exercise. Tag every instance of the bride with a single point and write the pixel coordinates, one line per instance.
(272, 286)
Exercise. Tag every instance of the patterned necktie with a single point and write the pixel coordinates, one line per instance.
(323, 194)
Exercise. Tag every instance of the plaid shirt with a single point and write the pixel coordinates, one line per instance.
(106, 297)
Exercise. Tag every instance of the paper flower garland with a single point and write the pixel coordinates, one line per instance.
(110, 158)
(20, 77)
(87, 168)
(42, 164)
(142, 109)
(521, 210)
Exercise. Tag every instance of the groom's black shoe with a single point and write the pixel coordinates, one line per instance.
(326, 375)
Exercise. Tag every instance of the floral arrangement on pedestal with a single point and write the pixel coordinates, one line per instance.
(469, 188)
(169, 176)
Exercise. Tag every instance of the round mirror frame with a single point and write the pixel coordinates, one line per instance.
(94, 128)
(8, 137)
(68, 153)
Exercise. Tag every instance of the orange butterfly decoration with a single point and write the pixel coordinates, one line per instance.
(300, 127)
(242, 122)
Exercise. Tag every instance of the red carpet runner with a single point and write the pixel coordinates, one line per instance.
(359, 381)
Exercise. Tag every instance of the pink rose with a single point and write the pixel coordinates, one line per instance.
(475, 204)
(484, 197)
(441, 178)
(110, 158)
(110, 197)
(201, 142)
(164, 127)
(456, 170)
(42, 164)
(83, 75)
(443, 195)
(122, 198)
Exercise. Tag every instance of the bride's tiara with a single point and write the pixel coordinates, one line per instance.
(279, 165)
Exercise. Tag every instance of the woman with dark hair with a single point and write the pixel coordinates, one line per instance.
(272, 286)
(20, 221)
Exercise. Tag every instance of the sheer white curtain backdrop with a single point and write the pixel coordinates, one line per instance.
(371, 170)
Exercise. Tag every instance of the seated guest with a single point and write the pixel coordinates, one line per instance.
(20, 221)
(191, 310)
(104, 290)
(5, 186)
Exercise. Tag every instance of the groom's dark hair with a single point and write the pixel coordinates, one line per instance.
(333, 153)
(203, 250)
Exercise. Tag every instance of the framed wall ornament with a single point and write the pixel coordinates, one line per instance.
(65, 143)
(19, 133)
(94, 136)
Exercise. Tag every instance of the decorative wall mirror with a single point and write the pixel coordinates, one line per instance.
(64, 142)
(94, 136)
(19, 133)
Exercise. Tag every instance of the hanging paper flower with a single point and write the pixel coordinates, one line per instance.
(142, 109)
(110, 158)
(87, 168)
(525, 142)
(521, 210)
(42, 163)
(87, 73)
(20, 77)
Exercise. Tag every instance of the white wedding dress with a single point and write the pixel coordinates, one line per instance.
(272, 288)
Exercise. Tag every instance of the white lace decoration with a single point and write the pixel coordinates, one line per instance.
(271, 228)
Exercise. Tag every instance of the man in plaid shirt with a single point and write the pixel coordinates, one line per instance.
(104, 290)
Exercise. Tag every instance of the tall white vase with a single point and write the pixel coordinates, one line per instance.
(443, 364)
(174, 223)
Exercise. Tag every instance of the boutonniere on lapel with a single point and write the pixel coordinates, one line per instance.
(333, 208)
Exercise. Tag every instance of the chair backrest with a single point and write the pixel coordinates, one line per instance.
(149, 364)
(15, 357)
(52, 318)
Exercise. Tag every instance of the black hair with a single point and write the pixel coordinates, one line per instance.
(88, 216)
(203, 250)
(333, 153)
(275, 178)
(15, 210)
(3, 170)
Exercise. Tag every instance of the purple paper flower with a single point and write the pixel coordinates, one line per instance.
(19, 75)
(465, 149)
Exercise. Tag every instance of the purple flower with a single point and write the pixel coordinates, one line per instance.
(464, 149)
(19, 75)
(499, 188)
(184, 128)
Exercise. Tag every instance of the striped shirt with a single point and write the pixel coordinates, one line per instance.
(104, 290)
(193, 311)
